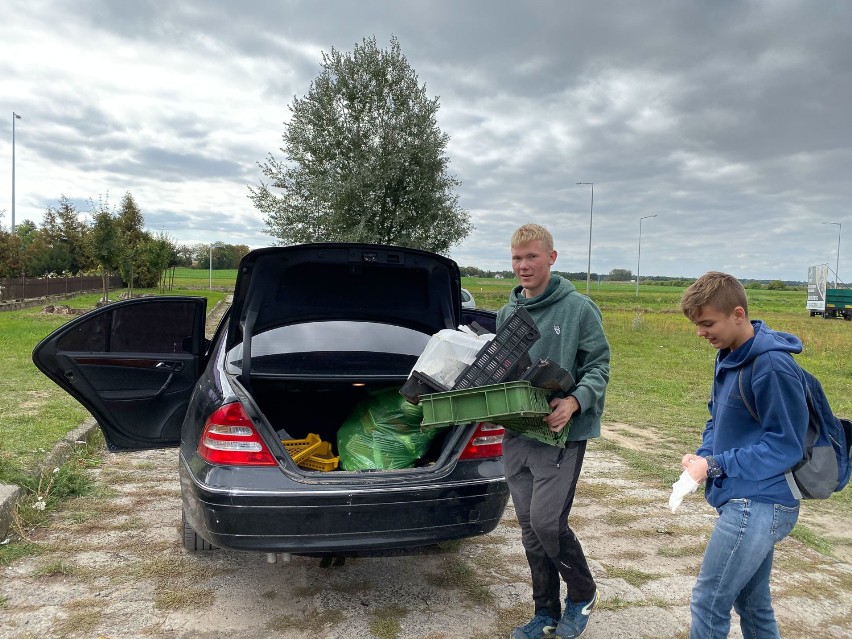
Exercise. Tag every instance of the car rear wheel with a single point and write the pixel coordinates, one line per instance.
(192, 541)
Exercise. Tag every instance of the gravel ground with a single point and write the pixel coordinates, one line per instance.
(113, 566)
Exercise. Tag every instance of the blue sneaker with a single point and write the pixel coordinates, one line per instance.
(575, 618)
(539, 627)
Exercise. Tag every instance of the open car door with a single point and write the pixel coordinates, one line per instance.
(133, 365)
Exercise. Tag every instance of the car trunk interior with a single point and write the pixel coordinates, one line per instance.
(296, 409)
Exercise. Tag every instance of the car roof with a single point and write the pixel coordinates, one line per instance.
(344, 281)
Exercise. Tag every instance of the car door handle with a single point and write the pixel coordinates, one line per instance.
(169, 366)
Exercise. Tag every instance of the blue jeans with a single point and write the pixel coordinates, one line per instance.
(735, 570)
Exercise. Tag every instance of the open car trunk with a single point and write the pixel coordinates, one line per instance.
(318, 330)
(369, 428)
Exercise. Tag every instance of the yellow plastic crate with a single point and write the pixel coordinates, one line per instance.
(311, 453)
(321, 460)
(300, 449)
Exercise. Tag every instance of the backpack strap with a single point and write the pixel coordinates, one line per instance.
(788, 475)
(748, 406)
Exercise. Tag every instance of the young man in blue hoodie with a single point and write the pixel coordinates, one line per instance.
(743, 460)
(542, 478)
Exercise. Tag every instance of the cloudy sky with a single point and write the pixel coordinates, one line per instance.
(729, 121)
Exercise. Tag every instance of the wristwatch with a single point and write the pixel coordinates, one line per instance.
(714, 470)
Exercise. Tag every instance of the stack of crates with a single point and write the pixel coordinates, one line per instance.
(311, 453)
(489, 389)
(502, 358)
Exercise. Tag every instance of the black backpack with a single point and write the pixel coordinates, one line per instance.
(825, 466)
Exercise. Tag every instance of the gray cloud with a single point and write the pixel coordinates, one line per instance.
(727, 120)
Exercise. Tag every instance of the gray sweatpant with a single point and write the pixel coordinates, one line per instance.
(542, 480)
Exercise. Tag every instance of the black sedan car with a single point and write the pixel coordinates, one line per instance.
(313, 332)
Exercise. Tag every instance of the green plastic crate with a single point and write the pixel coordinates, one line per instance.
(517, 406)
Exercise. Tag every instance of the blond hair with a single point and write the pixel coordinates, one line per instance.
(720, 291)
(530, 233)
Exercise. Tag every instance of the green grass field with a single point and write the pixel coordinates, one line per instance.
(661, 371)
(200, 279)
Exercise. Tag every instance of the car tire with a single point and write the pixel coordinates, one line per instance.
(192, 541)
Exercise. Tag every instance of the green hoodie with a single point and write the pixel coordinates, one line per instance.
(572, 336)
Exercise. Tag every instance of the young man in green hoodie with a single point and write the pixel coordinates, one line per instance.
(542, 478)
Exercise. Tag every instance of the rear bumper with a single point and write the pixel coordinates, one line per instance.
(346, 520)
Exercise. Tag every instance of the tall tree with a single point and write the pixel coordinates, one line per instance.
(26, 231)
(184, 254)
(11, 262)
(58, 246)
(159, 256)
(225, 256)
(364, 159)
(620, 275)
(73, 231)
(131, 225)
(106, 242)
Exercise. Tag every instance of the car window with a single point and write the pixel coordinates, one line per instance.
(139, 328)
(336, 346)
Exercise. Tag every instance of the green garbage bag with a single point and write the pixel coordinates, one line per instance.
(383, 433)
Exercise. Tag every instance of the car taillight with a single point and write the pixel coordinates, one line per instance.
(229, 438)
(487, 441)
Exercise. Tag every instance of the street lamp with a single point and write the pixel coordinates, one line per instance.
(591, 209)
(15, 116)
(837, 266)
(212, 246)
(639, 258)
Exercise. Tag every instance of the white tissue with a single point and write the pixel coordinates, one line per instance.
(680, 489)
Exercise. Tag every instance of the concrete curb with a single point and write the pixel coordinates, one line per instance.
(10, 494)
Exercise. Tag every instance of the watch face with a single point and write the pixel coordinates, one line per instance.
(713, 468)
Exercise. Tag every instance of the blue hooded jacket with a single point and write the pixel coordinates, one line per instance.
(755, 455)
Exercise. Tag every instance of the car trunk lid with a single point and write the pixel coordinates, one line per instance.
(360, 282)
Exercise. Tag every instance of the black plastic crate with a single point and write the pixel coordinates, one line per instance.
(420, 384)
(504, 355)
